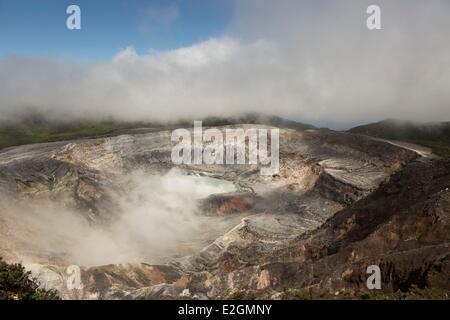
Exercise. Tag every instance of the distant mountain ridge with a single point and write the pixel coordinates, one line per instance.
(255, 118)
(434, 135)
(36, 128)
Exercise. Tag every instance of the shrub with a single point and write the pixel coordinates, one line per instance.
(17, 284)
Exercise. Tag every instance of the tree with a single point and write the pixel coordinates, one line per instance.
(18, 284)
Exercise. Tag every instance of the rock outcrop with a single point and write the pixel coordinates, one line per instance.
(403, 227)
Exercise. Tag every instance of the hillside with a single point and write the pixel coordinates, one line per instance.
(37, 128)
(433, 135)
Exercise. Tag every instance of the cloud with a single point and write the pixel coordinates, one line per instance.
(307, 60)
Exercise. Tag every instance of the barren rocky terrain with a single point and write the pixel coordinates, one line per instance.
(340, 203)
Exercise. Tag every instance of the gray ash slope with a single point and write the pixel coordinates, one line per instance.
(322, 174)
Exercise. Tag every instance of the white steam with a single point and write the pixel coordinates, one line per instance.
(157, 220)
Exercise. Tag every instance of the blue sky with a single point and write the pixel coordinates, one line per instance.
(38, 27)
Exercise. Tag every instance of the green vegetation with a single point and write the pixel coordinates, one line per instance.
(36, 128)
(254, 118)
(303, 294)
(439, 148)
(413, 293)
(242, 295)
(433, 135)
(17, 284)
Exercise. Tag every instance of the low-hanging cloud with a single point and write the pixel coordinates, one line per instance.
(307, 60)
